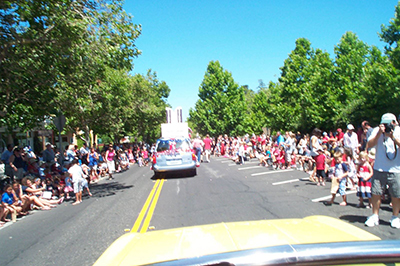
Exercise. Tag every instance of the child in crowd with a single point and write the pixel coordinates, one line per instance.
(364, 173)
(145, 155)
(42, 169)
(140, 160)
(275, 155)
(241, 154)
(9, 203)
(267, 159)
(352, 170)
(68, 186)
(320, 161)
(371, 157)
(103, 168)
(330, 164)
(124, 161)
(51, 189)
(339, 180)
(281, 157)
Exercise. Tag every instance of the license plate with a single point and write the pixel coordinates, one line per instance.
(174, 162)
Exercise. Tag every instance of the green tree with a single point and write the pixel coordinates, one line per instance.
(383, 73)
(391, 35)
(55, 53)
(296, 93)
(383, 93)
(351, 56)
(149, 109)
(265, 108)
(221, 108)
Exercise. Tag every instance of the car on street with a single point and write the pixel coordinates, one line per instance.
(174, 154)
(313, 240)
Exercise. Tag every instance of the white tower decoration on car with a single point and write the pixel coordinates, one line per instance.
(174, 117)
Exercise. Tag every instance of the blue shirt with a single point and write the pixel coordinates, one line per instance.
(5, 157)
(7, 198)
(280, 139)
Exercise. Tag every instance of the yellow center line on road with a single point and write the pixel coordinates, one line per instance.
(148, 208)
(151, 209)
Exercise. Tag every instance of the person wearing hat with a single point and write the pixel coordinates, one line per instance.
(350, 139)
(386, 170)
(339, 136)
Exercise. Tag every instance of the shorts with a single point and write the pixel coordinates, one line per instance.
(111, 166)
(379, 181)
(321, 173)
(78, 186)
(338, 185)
(68, 189)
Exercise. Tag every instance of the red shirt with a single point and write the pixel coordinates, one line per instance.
(340, 136)
(320, 161)
(207, 143)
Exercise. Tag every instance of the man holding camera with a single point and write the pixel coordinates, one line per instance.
(386, 139)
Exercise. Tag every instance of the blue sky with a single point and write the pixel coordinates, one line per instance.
(251, 39)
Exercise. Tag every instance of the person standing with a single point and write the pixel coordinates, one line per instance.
(83, 153)
(110, 154)
(368, 130)
(5, 158)
(197, 145)
(77, 177)
(207, 147)
(48, 155)
(289, 145)
(339, 136)
(70, 154)
(386, 169)
(350, 139)
(279, 138)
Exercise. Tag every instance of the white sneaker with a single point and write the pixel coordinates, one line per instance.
(395, 222)
(372, 220)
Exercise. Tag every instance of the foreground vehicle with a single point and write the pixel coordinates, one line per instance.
(174, 154)
(314, 240)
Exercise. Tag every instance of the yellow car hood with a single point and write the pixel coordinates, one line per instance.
(195, 241)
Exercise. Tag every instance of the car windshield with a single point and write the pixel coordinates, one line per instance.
(170, 144)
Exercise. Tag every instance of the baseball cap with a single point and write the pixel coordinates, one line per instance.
(350, 127)
(388, 118)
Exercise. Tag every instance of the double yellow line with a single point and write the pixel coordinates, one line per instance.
(147, 211)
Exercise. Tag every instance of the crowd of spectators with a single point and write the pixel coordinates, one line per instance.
(43, 180)
(341, 157)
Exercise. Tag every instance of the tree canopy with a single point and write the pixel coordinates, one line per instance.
(221, 107)
(315, 89)
(75, 56)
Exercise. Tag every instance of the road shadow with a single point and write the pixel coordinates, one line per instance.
(174, 175)
(360, 219)
(110, 188)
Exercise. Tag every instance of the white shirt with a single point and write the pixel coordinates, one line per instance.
(350, 141)
(76, 172)
(386, 159)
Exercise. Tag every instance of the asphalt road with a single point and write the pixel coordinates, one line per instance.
(135, 200)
